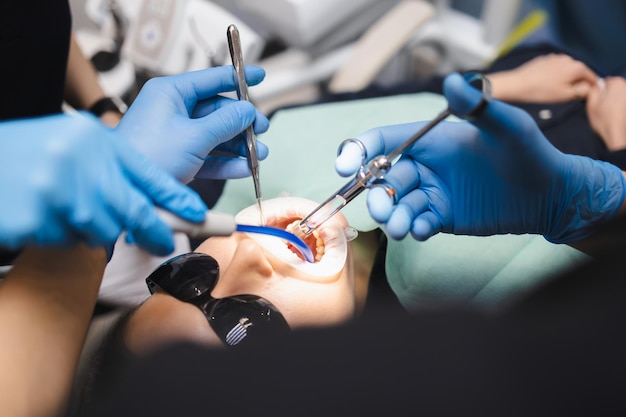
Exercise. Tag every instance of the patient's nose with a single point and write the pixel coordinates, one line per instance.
(247, 272)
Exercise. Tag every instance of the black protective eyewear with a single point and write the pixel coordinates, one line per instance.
(192, 276)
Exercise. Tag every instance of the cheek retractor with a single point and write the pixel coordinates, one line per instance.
(221, 224)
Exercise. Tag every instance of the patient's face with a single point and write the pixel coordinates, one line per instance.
(306, 294)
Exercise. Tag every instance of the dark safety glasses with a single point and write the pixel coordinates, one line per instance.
(241, 318)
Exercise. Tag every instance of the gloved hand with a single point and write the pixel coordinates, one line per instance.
(177, 120)
(68, 178)
(497, 175)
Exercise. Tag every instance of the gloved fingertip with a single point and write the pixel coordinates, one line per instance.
(158, 241)
(192, 208)
(399, 222)
(165, 250)
(462, 97)
(379, 204)
(262, 150)
(349, 160)
(421, 230)
(343, 166)
(396, 231)
(254, 74)
(261, 123)
(162, 249)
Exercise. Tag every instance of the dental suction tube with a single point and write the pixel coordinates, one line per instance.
(221, 224)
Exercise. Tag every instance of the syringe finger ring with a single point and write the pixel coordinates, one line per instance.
(358, 143)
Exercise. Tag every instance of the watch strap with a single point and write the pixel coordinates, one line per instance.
(106, 104)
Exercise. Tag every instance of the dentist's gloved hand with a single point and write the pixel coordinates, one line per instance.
(177, 120)
(497, 175)
(68, 178)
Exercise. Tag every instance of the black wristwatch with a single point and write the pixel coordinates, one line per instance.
(108, 104)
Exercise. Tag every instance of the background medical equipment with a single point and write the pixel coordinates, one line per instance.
(374, 170)
(234, 45)
(221, 224)
(174, 36)
(302, 44)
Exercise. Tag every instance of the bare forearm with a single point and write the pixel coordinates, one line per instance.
(46, 303)
(505, 86)
(82, 86)
(550, 78)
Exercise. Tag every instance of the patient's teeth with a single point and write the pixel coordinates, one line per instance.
(319, 246)
(313, 241)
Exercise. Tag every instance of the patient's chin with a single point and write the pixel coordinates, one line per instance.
(328, 244)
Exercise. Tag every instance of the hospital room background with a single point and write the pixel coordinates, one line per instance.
(307, 47)
(311, 50)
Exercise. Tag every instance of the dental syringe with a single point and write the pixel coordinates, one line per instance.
(375, 170)
(366, 175)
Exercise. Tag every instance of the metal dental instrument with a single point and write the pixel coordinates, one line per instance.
(236, 54)
(375, 170)
(221, 224)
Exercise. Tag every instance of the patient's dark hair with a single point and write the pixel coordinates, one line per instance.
(103, 369)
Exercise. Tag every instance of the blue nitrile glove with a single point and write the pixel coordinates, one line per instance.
(497, 174)
(177, 120)
(68, 178)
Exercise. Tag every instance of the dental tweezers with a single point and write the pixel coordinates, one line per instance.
(236, 54)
